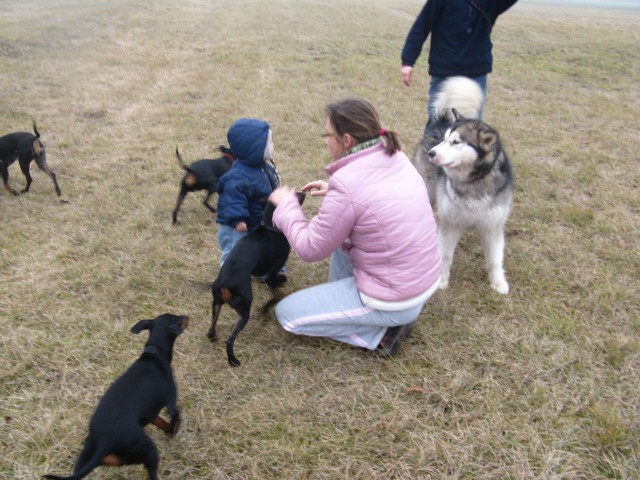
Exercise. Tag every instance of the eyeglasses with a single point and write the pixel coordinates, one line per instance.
(327, 135)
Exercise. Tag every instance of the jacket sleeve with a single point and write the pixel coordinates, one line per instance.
(237, 202)
(314, 240)
(418, 34)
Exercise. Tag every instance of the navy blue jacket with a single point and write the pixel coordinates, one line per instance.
(460, 36)
(244, 189)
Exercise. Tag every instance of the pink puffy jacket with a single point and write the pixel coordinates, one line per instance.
(377, 208)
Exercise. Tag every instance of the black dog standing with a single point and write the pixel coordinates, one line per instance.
(116, 431)
(262, 253)
(25, 147)
(202, 175)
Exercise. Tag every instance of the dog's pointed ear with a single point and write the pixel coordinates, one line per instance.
(456, 115)
(487, 139)
(142, 325)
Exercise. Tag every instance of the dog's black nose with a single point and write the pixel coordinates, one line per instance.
(432, 153)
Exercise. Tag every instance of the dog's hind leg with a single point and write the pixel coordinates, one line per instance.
(215, 313)
(493, 244)
(241, 322)
(151, 461)
(142, 450)
(41, 161)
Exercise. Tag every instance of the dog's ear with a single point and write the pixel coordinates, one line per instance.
(142, 325)
(267, 214)
(456, 115)
(487, 139)
(301, 196)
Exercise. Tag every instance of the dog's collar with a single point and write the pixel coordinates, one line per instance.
(152, 349)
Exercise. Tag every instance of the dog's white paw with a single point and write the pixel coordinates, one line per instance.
(500, 286)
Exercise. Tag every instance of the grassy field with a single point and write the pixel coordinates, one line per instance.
(543, 383)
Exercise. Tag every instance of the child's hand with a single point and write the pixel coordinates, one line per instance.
(241, 227)
(321, 186)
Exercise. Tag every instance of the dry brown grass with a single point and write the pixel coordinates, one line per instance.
(541, 384)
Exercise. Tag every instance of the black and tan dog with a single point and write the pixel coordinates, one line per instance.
(116, 431)
(202, 175)
(262, 253)
(24, 147)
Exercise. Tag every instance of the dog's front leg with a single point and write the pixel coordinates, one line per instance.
(206, 199)
(171, 427)
(4, 170)
(448, 236)
(173, 411)
(176, 421)
(493, 244)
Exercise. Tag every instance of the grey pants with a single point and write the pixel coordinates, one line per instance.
(335, 310)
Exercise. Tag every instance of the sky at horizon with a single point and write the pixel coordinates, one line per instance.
(609, 4)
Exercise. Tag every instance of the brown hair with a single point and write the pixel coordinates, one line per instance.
(359, 118)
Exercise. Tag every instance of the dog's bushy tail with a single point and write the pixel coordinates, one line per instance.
(460, 93)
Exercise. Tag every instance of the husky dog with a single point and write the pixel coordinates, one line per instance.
(468, 176)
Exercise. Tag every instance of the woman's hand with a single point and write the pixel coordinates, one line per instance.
(280, 194)
(320, 186)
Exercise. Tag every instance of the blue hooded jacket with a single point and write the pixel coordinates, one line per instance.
(244, 189)
(460, 36)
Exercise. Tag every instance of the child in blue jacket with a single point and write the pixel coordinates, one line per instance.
(245, 188)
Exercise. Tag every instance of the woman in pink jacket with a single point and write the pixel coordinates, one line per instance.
(376, 223)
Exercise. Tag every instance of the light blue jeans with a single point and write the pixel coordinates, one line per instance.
(334, 310)
(227, 238)
(434, 88)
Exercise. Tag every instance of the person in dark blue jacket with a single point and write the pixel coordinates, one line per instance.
(460, 41)
(244, 189)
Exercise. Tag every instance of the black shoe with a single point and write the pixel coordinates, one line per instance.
(390, 343)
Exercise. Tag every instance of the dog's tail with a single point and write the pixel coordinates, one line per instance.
(460, 93)
(98, 458)
(35, 129)
(181, 162)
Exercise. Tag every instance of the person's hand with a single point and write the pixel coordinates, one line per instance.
(241, 227)
(320, 186)
(406, 71)
(280, 194)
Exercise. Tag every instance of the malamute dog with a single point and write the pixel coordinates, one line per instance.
(468, 176)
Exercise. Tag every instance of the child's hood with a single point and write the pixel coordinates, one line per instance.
(247, 139)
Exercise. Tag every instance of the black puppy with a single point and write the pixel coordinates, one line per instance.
(135, 399)
(25, 147)
(202, 175)
(262, 253)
